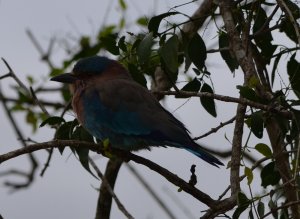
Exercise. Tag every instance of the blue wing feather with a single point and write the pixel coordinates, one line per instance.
(131, 118)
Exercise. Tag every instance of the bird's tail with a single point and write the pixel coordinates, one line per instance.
(204, 155)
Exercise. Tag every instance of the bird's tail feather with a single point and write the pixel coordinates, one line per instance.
(204, 155)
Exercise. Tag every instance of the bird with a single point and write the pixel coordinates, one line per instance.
(109, 104)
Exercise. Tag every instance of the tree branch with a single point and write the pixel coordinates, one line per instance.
(282, 4)
(243, 101)
(126, 156)
(33, 160)
(151, 191)
(106, 192)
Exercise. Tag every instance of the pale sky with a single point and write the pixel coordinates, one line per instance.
(67, 190)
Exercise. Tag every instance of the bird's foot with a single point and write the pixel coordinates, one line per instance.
(107, 150)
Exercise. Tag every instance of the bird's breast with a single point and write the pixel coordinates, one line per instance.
(77, 103)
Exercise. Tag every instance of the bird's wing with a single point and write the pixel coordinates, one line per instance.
(131, 117)
(127, 108)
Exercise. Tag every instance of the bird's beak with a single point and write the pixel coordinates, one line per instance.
(67, 78)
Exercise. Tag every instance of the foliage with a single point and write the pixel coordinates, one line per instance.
(260, 26)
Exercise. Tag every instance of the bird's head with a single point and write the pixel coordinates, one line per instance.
(91, 68)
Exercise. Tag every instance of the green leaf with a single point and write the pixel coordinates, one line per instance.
(54, 120)
(32, 119)
(273, 205)
(22, 98)
(251, 214)
(243, 203)
(248, 93)
(269, 175)
(197, 72)
(257, 124)
(122, 5)
(207, 102)
(136, 44)
(276, 61)
(185, 40)
(154, 22)
(137, 75)
(144, 48)
(294, 131)
(109, 42)
(249, 174)
(81, 134)
(64, 133)
(197, 51)
(121, 44)
(294, 8)
(261, 209)
(286, 25)
(264, 149)
(230, 61)
(169, 53)
(30, 79)
(193, 85)
(284, 214)
(293, 69)
(122, 23)
(289, 30)
(143, 21)
(83, 155)
(263, 41)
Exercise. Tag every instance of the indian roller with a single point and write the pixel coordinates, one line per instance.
(109, 104)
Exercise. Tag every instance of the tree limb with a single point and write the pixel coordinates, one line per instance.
(126, 156)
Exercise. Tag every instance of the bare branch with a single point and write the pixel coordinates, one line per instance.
(33, 160)
(126, 156)
(151, 191)
(243, 101)
(44, 56)
(106, 190)
(30, 102)
(29, 92)
(206, 9)
(214, 130)
(289, 204)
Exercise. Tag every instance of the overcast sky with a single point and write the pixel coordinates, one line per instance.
(67, 190)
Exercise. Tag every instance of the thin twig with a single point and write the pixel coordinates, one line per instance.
(42, 107)
(12, 74)
(151, 191)
(30, 102)
(109, 188)
(287, 205)
(267, 21)
(33, 161)
(243, 101)
(47, 164)
(45, 56)
(179, 203)
(214, 130)
(255, 165)
(25, 89)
